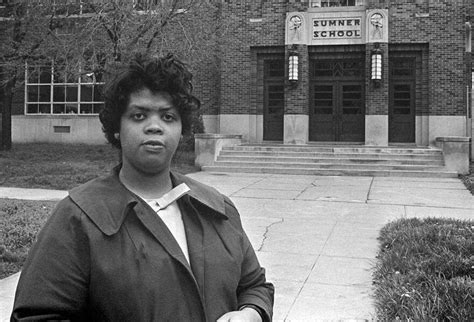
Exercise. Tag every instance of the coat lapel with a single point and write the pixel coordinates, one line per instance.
(160, 231)
(195, 240)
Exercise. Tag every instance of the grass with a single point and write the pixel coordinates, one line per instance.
(424, 270)
(58, 166)
(20, 222)
(50, 166)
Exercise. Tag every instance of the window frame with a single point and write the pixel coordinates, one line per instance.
(76, 84)
(326, 3)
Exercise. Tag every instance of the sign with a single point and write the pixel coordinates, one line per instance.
(337, 28)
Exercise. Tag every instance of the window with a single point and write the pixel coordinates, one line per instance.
(50, 91)
(335, 3)
(145, 5)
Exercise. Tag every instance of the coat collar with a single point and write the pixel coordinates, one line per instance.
(107, 202)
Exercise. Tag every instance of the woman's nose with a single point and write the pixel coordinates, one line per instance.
(154, 125)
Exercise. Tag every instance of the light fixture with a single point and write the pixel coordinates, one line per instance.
(293, 65)
(376, 65)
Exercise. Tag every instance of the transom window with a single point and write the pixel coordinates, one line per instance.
(50, 91)
(335, 3)
(337, 68)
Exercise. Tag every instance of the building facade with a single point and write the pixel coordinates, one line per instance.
(375, 72)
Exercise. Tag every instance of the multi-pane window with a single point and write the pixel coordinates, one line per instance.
(335, 3)
(50, 91)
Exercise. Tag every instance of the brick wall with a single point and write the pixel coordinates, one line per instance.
(435, 24)
(263, 27)
(441, 25)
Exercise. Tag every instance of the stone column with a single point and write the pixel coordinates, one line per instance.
(296, 119)
(376, 113)
(455, 152)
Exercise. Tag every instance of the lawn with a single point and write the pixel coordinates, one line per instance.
(50, 166)
(58, 166)
(424, 270)
(20, 222)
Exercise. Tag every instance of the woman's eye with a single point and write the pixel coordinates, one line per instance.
(138, 116)
(168, 117)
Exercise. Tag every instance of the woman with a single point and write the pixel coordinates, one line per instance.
(144, 244)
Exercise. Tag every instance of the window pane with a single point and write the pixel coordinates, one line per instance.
(45, 108)
(45, 75)
(44, 93)
(351, 111)
(32, 108)
(323, 111)
(33, 74)
(86, 108)
(71, 108)
(32, 94)
(98, 97)
(61, 76)
(59, 108)
(87, 93)
(71, 93)
(59, 93)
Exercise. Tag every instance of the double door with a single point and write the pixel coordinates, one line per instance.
(337, 101)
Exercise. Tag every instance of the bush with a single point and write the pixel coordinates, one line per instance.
(20, 222)
(424, 270)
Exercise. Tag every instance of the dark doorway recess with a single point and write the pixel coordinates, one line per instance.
(337, 100)
(401, 108)
(274, 102)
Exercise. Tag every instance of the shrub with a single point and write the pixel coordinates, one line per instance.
(424, 270)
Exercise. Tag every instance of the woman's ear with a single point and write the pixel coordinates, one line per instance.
(117, 136)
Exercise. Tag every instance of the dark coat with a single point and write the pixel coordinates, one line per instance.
(105, 255)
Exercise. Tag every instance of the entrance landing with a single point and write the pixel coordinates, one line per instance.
(334, 159)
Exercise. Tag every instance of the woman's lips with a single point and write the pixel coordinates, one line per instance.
(153, 145)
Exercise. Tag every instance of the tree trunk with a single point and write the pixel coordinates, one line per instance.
(6, 133)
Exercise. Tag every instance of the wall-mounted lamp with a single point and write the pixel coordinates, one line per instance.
(376, 65)
(293, 66)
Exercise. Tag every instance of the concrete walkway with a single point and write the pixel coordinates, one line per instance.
(316, 236)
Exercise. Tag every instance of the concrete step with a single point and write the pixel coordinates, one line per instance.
(334, 149)
(337, 159)
(329, 159)
(334, 172)
(348, 166)
(297, 154)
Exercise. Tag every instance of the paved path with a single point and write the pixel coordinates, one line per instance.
(316, 236)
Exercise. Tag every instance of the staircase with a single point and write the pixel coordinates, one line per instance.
(334, 160)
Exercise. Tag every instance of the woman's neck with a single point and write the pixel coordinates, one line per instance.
(150, 186)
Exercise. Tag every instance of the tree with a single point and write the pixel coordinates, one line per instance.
(28, 35)
(101, 34)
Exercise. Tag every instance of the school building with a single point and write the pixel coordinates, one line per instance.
(371, 72)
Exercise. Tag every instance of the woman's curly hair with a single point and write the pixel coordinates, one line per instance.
(165, 74)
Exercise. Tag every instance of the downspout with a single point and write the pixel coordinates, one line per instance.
(469, 67)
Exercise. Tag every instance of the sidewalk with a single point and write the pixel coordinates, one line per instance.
(316, 236)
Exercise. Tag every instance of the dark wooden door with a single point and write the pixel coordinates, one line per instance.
(352, 112)
(402, 101)
(337, 101)
(322, 112)
(274, 100)
(274, 109)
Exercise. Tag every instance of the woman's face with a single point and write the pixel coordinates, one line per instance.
(150, 130)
